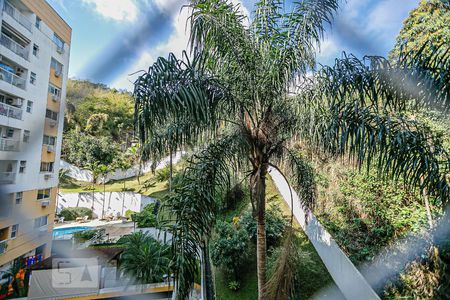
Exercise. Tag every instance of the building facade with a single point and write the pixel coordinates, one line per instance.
(34, 61)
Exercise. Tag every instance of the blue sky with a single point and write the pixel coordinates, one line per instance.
(112, 39)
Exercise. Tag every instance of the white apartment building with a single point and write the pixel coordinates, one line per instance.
(34, 61)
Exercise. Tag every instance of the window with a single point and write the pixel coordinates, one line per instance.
(49, 140)
(14, 230)
(54, 90)
(41, 221)
(47, 167)
(10, 133)
(26, 136)
(58, 42)
(38, 23)
(49, 114)
(23, 166)
(43, 194)
(35, 50)
(33, 78)
(29, 106)
(57, 66)
(19, 196)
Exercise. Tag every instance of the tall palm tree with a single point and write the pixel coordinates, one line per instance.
(231, 98)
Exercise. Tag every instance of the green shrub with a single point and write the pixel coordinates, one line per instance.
(147, 217)
(229, 247)
(275, 225)
(83, 236)
(234, 285)
(163, 174)
(233, 197)
(71, 213)
(128, 213)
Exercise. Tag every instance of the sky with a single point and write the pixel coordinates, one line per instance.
(114, 40)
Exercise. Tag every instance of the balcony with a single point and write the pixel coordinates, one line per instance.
(9, 9)
(10, 111)
(11, 78)
(14, 46)
(7, 177)
(3, 246)
(9, 145)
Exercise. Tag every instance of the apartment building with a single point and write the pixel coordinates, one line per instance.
(34, 61)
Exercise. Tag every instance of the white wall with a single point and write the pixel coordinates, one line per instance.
(85, 175)
(115, 204)
(346, 276)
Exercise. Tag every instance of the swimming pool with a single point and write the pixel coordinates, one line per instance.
(66, 233)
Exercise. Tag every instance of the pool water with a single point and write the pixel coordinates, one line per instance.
(67, 232)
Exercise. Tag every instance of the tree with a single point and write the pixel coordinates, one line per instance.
(426, 26)
(96, 170)
(104, 171)
(231, 97)
(145, 259)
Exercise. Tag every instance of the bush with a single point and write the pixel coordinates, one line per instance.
(229, 247)
(128, 213)
(82, 236)
(147, 217)
(233, 197)
(275, 225)
(163, 174)
(71, 213)
(234, 285)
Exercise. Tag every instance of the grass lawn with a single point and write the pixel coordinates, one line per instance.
(311, 281)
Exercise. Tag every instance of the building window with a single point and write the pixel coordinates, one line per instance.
(58, 42)
(14, 230)
(29, 106)
(49, 140)
(41, 221)
(43, 194)
(19, 196)
(26, 136)
(33, 78)
(47, 167)
(50, 114)
(57, 66)
(35, 50)
(38, 23)
(9, 133)
(22, 166)
(54, 90)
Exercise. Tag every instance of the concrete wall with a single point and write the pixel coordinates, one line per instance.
(85, 175)
(115, 204)
(346, 276)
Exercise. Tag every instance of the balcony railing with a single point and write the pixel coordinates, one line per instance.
(14, 46)
(7, 177)
(12, 78)
(17, 15)
(9, 145)
(3, 246)
(10, 111)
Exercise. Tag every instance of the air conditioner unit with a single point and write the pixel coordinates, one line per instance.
(50, 148)
(55, 98)
(52, 123)
(57, 73)
(60, 50)
(48, 176)
(45, 203)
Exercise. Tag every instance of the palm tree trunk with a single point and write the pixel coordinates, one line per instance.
(171, 171)
(208, 272)
(258, 191)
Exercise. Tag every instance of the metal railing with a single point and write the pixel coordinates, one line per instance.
(17, 15)
(14, 46)
(10, 111)
(3, 246)
(9, 145)
(7, 177)
(12, 78)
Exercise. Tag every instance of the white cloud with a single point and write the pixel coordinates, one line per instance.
(117, 10)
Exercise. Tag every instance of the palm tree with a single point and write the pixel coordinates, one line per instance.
(96, 169)
(104, 171)
(232, 100)
(145, 259)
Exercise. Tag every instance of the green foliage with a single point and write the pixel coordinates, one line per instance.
(234, 285)
(82, 149)
(147, 217)
(83, 236)
(275, 225)
(163, 174)
(426, 26)
(71, 213)
(229, 247)
(128, 213)
(234, 196)
(145, 259)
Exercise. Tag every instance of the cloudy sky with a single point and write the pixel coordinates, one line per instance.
(112, 39)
